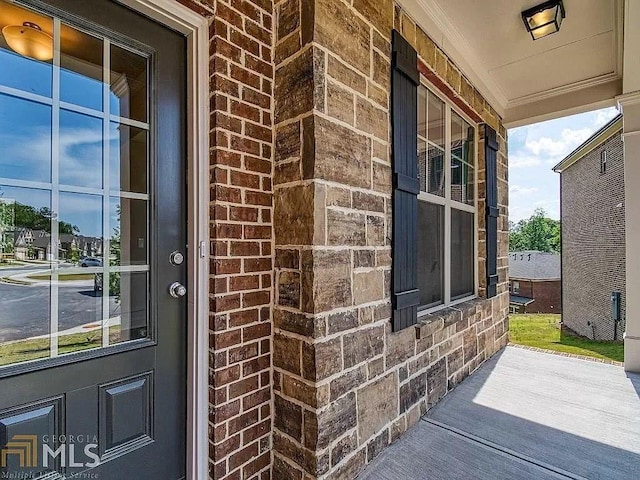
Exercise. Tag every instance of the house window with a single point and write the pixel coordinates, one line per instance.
(516, 287)
(446, 203)
(603, 162)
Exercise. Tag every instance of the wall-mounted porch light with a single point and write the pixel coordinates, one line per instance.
(29, 40)
(544, 19)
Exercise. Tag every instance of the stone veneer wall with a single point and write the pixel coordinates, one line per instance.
(345, 386)
(241, 247)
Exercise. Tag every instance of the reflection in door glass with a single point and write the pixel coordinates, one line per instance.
(33, 75)
(25, 139)
(80, 68)
(25, 274)
(74, 206)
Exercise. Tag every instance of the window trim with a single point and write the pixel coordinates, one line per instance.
(516, 287)
(603, 162)
(448, 203)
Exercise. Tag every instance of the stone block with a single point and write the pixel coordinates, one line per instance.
(346, 382)
(294, 87)
(347, 76)
(340, 103)
(322, 359)
(455, 360)
(287, 417)
(294, 215)
(337, 154)
(344, 447)
(379, 443)
(345, 228)
(288, 15)
(436, 382)
(371, 119)
(376, 232)
(368, 286)
(400, 346)
(340, 30)
(300, 323)
(286, 353)
(288, 142)
(363, 345)
(378, 12)
(336, 419)
(339, 322)
(377, 405)
(289, 289)
(412, 392)
(331, 280)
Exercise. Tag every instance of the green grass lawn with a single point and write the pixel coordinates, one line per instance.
(66, 277)
(543, 331)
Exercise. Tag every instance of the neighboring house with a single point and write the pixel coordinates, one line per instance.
(534, 282)
(325, 195)
(593, 234)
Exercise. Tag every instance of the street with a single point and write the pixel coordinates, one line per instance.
(24, 309)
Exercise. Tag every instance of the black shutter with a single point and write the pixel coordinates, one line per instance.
(491, 218)
(405, 79)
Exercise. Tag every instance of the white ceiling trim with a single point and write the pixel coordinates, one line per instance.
(554, 92)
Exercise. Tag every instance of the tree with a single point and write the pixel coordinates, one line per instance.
(538, 232)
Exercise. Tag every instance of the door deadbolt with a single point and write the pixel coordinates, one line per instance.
(177, 290)
(176, 258)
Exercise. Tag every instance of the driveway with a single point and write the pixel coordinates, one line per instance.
(525, 415)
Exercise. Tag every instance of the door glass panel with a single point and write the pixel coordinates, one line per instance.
(25, 274)
(74, 231)
(128, 242)
(128, 316)
(80, 150)
(30, 74)
(128, 158)
(80, 68)
(25, 139)
(128, 91)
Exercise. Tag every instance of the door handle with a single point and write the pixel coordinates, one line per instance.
(177, 290)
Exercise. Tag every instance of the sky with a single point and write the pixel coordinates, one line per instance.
(535, 149)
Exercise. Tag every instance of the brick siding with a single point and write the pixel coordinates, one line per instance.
(593, 241)
(546, 294)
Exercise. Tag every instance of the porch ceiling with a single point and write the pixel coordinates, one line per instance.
(577, 69)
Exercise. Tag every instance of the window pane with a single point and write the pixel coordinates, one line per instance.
(128, 96)
(430, 253)
(80, 68)
(128, 223)
(462, 160)
(20, 71)
(422, 111)
(435, 170)
(25, 251)
(25, 140)
(462, 264)
(462, 181)
(435, 117)
(128, 318)
(80, 150)
(128, 158)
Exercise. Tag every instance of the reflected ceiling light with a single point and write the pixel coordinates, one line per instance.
(29, 40)
(544, 19)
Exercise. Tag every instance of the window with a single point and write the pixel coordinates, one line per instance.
(516, 287)
(446, 203)
(603, 162)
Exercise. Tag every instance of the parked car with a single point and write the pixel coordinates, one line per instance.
(90, 262)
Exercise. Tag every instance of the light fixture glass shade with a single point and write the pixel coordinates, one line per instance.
(29, 40)
(544, 19)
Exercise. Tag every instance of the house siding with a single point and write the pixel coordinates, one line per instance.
(593, 241)
(345, 385)
(547, 295)
(307, 379)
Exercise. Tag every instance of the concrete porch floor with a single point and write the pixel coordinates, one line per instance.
(525, 415)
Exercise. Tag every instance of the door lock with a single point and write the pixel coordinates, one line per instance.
(177, 290)
(176, 258)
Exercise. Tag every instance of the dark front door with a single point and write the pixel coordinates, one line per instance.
(92, 242)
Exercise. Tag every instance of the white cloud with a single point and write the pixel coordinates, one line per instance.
(518, 191)
(604, 115)
(523, 161)
(569, 140)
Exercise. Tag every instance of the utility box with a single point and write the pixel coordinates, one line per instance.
(615, 306)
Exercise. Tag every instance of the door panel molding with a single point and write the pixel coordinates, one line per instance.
(196, 30)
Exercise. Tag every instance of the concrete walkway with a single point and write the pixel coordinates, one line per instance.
(525, 415)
